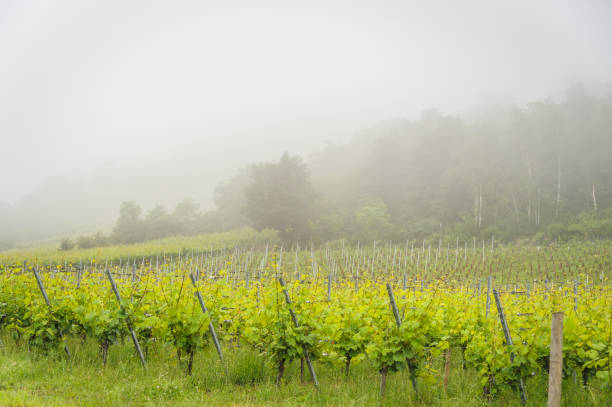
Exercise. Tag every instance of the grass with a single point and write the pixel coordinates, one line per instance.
(171, 246)
(28, 378)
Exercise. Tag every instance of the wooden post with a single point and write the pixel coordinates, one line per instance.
(296, 323)
(556, 360)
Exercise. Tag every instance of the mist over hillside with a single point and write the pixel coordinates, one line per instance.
(507, 170)
(410, 105)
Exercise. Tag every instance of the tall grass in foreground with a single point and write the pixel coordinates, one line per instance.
(28, 378)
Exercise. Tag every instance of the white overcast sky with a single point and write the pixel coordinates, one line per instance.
(85, 84)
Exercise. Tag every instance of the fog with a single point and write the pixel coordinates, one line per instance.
(155, 101)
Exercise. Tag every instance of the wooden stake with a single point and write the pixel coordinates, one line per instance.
(556, 360)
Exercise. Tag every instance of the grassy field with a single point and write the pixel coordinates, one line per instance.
(28, 378)
(169, 245)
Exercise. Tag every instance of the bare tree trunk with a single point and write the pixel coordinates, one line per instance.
(529, 172)
(281, 371)
(476, 210)
(347, 366)
(530, 208)
(105, 346)
(529, 204)
(479, 204)
(558, 186)
(383, 381)
(594, 199)
(302, 370)
(190, 363)
(516, 210)
(537, 208)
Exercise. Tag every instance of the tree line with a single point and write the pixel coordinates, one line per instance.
(542, 172)
(132, 227)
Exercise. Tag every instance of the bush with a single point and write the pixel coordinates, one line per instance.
(587, 225)
(66, 244)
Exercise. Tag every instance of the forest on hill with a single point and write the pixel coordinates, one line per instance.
(541, 172)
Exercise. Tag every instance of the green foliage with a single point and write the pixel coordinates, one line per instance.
(28, 379)
(509, 174)
(129, 227)
(96, 240)
(159, 223)
(281, 198)
(585, 226)
(171, 246)
(66, 244)
(187, 216)
(353, 323)
(40, 327)
(186, 220)
(373, 222)
(271, 330)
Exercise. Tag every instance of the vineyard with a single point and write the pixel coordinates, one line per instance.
(423, 312)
